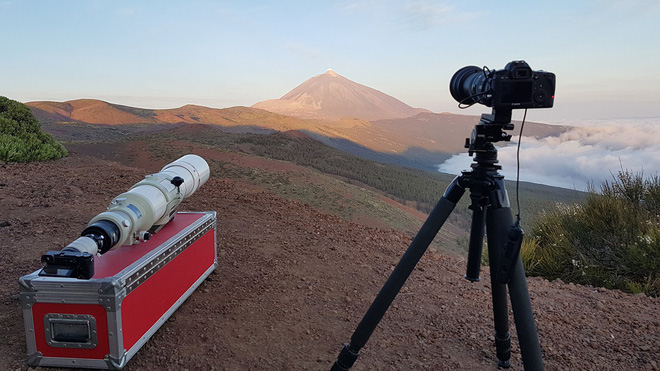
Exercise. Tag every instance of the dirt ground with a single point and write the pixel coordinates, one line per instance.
(293, 283)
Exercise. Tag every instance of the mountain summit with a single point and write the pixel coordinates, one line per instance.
(332, 96)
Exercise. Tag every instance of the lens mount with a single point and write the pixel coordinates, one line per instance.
(107, 230)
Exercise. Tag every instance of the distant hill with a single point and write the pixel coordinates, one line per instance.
(332, 96)
(92, 111)
(421, 141)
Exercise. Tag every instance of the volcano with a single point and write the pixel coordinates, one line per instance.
(332, 96)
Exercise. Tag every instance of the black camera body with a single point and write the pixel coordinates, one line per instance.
(515, 86)
(68, 263)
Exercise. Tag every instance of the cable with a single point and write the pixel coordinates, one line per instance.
(522, 126)
(463, 105)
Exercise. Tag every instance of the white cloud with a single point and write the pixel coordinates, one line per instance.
(589, 153)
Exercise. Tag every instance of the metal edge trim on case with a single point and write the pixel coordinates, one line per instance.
(73, 362)
(30, 337)
(130, 271)
(48, 290)
(116, 346)
(168, 254)
(215, 237)
(158, 324)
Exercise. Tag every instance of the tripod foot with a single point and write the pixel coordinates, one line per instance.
(346, 358)
(503, 364)
(503, 348)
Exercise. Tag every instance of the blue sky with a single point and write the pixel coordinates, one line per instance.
(162, 54)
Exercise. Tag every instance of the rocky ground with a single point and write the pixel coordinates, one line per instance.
(293, 283)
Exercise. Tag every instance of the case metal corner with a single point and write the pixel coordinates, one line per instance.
(116, 363)
(34, 359)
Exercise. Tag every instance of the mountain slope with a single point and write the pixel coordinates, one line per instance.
(420, 141)
(293, 283)
(332, 96)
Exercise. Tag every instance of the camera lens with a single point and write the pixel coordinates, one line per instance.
(468, 85)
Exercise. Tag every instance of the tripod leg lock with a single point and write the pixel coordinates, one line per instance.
(346, 358)
(510, 254)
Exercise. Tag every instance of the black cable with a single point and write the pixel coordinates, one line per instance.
(522, 126)
(463, 105)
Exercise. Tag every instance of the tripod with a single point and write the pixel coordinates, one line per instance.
(490, 209)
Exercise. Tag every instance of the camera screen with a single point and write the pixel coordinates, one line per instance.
(517, 92)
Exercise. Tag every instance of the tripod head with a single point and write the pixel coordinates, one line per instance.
(489, 130)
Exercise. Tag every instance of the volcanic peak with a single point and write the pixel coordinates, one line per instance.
(332, 96)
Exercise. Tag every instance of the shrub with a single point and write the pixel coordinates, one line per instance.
(21, 138)
(612, 240)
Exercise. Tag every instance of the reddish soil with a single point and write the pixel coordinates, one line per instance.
(293, 283)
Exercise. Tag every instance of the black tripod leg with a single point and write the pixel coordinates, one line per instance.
(401, 272)
(497, 223)
(498, 290)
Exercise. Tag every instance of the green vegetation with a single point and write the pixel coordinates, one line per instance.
(21, 138)
(611, 240)
(418, 188)
(414, 187)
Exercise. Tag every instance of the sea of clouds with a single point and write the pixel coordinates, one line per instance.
(590, 152)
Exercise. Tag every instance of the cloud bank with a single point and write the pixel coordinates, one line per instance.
(588, 153)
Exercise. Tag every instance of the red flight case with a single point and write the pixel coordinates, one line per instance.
(102, 322)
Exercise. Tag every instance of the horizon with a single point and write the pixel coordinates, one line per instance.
(165, 55)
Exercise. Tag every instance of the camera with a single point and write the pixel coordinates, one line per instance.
(515, 86)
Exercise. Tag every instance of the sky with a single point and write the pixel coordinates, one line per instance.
(165, 54)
